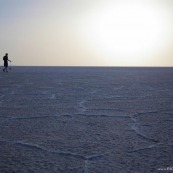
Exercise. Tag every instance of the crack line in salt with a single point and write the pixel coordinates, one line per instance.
(53, 96)
(35, 117)
(104, 115)
(149, 147)
(59, 152)
(86, 166)
(144, 113)
(81, 106)
(135, 128)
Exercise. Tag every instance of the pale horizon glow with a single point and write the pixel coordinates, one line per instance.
(128, 31)
(87, 33)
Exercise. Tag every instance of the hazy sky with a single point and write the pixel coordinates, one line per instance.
(87, 32)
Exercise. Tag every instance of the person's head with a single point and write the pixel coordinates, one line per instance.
(6, 54)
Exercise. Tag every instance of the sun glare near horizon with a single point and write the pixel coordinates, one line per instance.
(87, 32)
(126, 32)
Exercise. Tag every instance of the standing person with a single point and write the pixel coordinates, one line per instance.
(5, 58)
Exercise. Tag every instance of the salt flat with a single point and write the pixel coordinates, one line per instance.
(86, 120)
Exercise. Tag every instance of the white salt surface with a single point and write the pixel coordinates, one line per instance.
(86, 120)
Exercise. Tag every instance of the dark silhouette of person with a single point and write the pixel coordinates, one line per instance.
(5, 58)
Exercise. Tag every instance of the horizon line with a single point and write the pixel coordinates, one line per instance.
(94, 66)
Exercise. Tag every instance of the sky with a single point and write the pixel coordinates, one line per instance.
(87, 32)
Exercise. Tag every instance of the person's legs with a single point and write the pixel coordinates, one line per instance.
(5, 69)
(6, 66)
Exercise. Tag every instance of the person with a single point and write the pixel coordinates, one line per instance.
(5, 58)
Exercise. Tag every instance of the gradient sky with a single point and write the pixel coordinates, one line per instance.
(87, 32)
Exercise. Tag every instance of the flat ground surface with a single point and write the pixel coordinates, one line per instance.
(86, 120)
